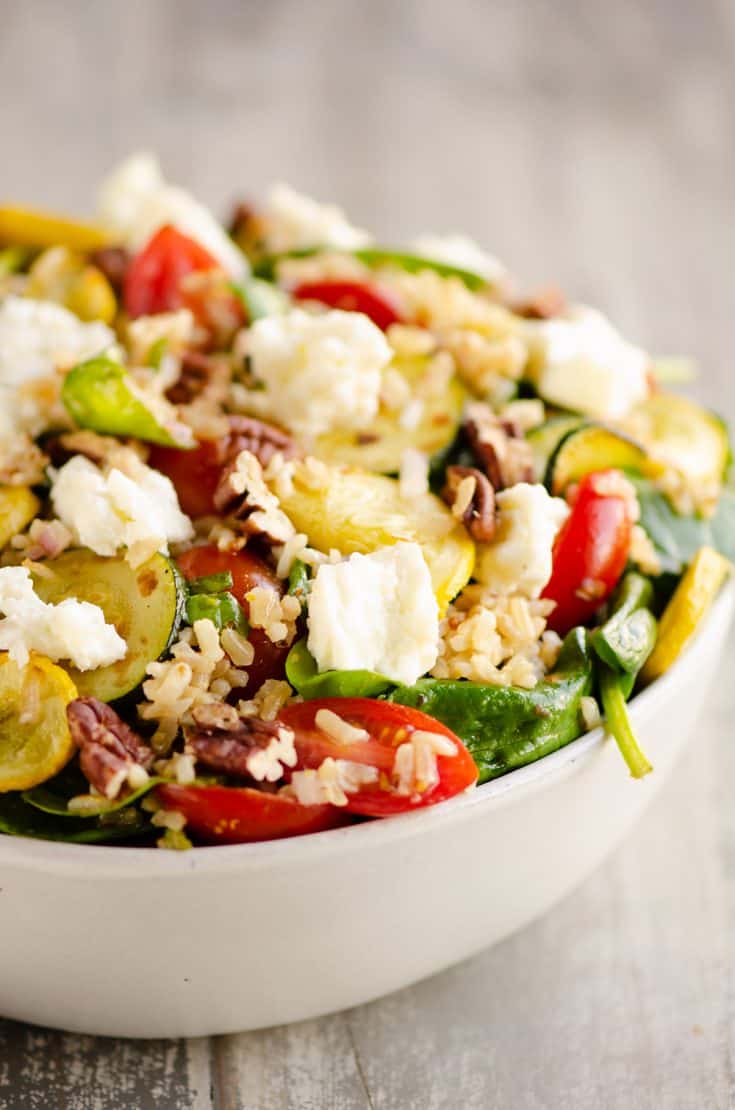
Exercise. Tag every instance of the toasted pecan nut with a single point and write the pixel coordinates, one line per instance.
(113, 262)
(247, 747)
(472, 500)
(262, 440)
(499, 447)
(243, 496)
(200, 375)
(110, 751)
(542, 305)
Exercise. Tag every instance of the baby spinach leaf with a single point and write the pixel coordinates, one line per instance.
(506, 727)
(677, 538)
(302, 673)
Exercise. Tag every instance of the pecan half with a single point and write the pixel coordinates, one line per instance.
(247, 747)
(499, 447)
(471, 498)
(113, 262)
(109, 750)
(242, 495)
(261, 439)
(200, 375)
(542, 305)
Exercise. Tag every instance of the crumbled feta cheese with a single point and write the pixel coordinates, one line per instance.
(36, 337)
(581, 362)
(73, 630)
(375, 612)
(135, 202)
(463, 252)
(519, 558)
(108, 511)
(319, 372)
(296, 222)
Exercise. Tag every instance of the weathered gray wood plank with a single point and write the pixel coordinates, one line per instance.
(41, 1069)
(587, 143)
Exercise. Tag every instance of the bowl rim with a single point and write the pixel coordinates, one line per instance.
(95, 861)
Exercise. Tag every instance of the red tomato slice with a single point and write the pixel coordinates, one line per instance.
(194, 473)
(352, 296)
(248, 572)
(238, 815)
(154, 276)
(591, 550)
(389, 726)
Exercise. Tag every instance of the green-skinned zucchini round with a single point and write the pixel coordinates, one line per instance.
(145, 604)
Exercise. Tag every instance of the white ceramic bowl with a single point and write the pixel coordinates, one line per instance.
(138, 943)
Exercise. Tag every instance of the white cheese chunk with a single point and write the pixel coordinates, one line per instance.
(375, 612)
(109, 511)
(579, 361)
(296, 222)
(519, 558)
(463, 252)
(36, 337)
(319, 372)
(72, 630)
(135, 202)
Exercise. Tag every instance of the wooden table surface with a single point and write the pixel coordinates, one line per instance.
(586, 143)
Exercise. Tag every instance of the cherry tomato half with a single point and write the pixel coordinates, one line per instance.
(237, 815)
(154, 276)
(194, 473)
(352, 296)
(591, 549)
(248, 572)
(389, 726)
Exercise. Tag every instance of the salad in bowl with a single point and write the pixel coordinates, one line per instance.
(298, 530)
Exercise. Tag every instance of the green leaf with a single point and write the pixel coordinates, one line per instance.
(17, 818)
(506, 727)
(617, 721)
(49, 801)
(302, 673)
(677, 538)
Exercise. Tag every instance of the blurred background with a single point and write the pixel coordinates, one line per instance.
(585, 143)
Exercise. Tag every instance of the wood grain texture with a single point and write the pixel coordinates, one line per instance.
(586, 143)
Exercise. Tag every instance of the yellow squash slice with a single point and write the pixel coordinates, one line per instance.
(688, 606)
(18, 506)
(35, 742)
(29, 227)
(381, 446)
(358, 511)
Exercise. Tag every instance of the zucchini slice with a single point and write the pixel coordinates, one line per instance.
(358, 511)
(35, 742)
(546, 437)
(145, 605)
(18, 506)
(682, 434)
(379, 448)
(592, 447)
